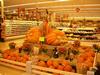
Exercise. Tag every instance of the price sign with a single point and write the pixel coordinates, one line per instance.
(21, 12)
(90, 73)
(36, 50)
(42, 39)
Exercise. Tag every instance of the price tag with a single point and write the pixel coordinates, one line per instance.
(90, 73)
(36, 50)
(42, 39)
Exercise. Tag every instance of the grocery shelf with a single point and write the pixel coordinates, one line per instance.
(74, 32)
(87, 41)
(80, 28)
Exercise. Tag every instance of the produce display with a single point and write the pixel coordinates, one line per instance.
(52, 51)
(69, 58)
(84, 33)
(52, 36)
(15, 56)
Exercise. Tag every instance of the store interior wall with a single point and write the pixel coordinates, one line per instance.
(88, 8)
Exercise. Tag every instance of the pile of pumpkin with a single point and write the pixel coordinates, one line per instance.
(86, 59)
(15, 56)
(61, 64)
(52, 36)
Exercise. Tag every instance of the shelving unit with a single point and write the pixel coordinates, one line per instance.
(17, 27)
(84, 34)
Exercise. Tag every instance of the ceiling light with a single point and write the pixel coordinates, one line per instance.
(62, 0)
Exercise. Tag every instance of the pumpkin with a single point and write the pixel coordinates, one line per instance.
(50, 63)
(55, 37)
(50, 38)
(60, 67)
(68, 68)
(33, 35)
(41, 63)
(58, 32)
(55, 64)
(65, 62)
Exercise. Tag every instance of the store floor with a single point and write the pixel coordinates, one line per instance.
(4, 70)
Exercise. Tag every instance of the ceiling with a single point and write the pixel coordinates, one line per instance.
(16, 2)
(39, 3)
(92, 6)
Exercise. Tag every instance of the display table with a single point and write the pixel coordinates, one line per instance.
(8, 67)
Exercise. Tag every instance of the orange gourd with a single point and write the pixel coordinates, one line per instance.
(55, 64)
(64, 62)
(33, 35)
(41, 63)
(58, 32)
(53, 36)
(60, 67)
(68, 68)
(50, 38)
(49, 63)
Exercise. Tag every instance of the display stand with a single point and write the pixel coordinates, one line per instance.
(35, 69)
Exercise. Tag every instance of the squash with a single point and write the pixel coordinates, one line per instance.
(54, 37)
(58, 32)
(50, 38)
(33, 35)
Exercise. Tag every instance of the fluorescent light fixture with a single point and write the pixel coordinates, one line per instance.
(45, 2)
(62, 0)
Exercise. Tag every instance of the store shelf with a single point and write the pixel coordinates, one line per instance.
(88, 41)
(17, 27)
(91, 37)
(84, 34)
(81, 28)
(79, 32)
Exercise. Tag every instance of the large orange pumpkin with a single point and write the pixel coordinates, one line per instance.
(54, 37)
(33, 35)
(50, 38)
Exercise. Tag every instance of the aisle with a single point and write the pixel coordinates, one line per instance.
(4, 45)
(10, 71)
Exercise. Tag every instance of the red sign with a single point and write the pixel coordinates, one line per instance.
(77, 9)
(21, 12)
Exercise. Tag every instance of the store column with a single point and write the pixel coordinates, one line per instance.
(2, 21)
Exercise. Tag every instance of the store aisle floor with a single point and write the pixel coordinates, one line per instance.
(4, 45)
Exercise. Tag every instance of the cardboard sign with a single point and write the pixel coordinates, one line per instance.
(42, 39)
(36, 50)
(90, 73)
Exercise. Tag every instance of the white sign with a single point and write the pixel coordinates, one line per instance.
(90, 73)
